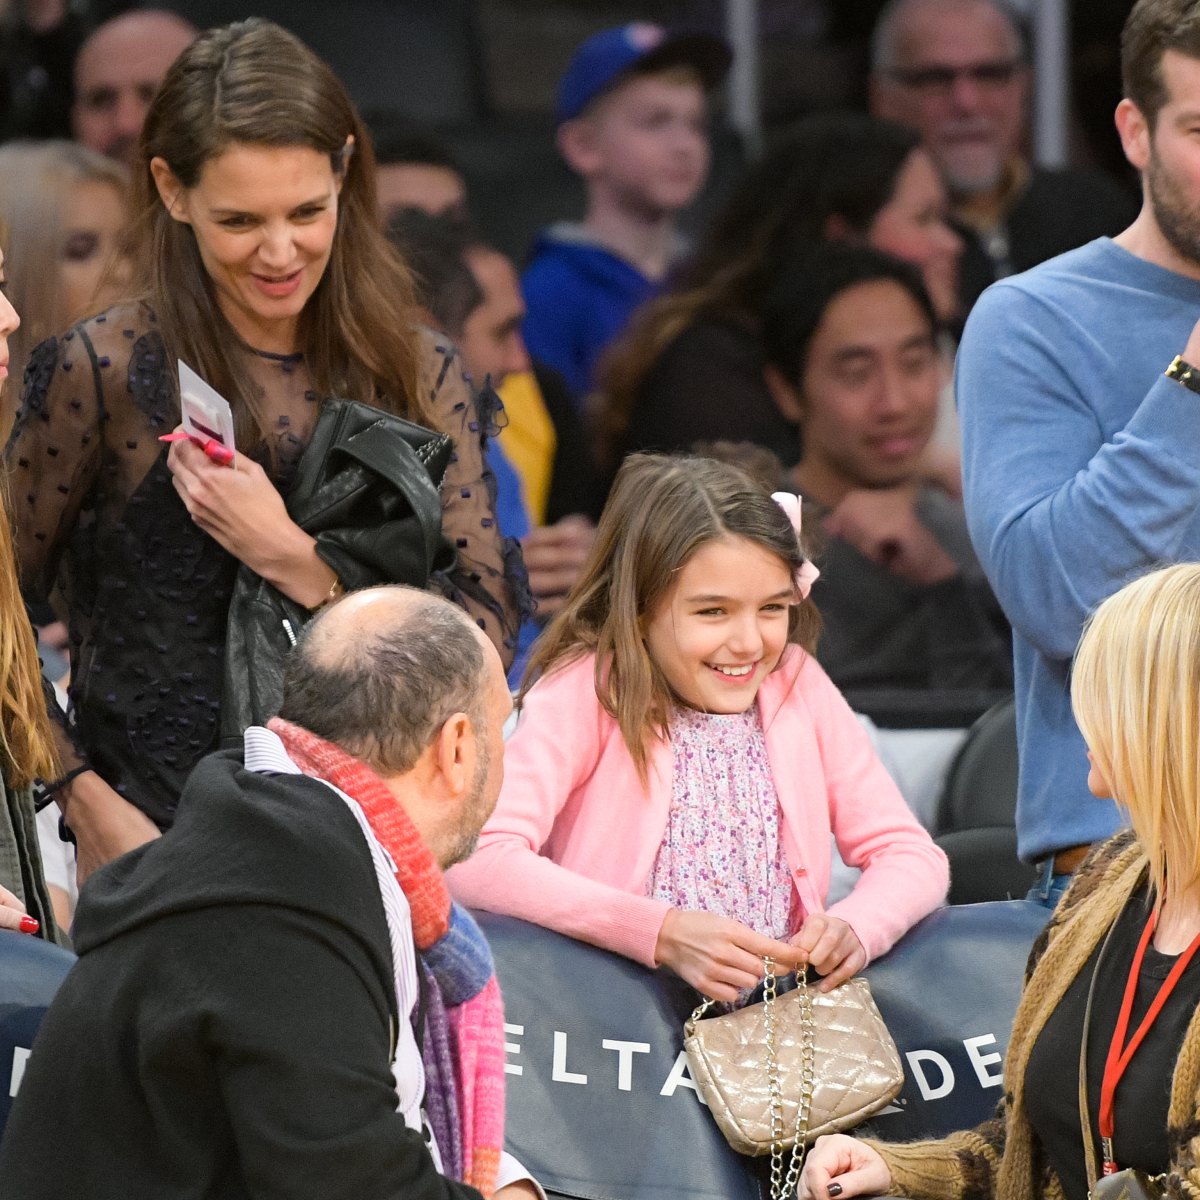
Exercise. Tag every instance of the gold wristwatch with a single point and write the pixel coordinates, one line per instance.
(1183, 371)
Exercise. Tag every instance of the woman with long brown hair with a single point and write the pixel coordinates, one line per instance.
(261, 265)
(28, 750)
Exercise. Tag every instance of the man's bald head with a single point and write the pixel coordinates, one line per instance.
(117, 71)
(385, 611)
(381, 671)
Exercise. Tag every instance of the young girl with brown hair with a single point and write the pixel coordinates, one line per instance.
(682, 759)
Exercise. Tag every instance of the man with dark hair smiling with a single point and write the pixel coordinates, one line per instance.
(277, 997)
(1078, 395)
(852, 358)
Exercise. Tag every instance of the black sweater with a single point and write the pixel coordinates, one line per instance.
(227, 1030)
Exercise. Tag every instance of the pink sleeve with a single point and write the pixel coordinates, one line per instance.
(904, 874)
(554, 751)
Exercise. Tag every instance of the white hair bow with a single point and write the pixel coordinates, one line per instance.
(806, 574)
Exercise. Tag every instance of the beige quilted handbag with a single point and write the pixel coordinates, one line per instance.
(781, 1073)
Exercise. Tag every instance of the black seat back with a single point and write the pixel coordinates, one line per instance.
(975, 822)
(981, 786)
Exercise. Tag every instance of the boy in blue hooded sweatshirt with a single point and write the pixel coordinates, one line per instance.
(632, 114)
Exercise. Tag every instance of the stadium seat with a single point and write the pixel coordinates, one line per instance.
(976, 815)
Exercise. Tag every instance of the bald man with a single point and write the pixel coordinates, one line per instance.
(957, 72)
(117, 71)
(256, 988)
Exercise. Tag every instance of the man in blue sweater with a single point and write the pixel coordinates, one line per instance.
(1081, 428)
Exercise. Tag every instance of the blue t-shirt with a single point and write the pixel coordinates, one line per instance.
(1081, 466)
(578, 298)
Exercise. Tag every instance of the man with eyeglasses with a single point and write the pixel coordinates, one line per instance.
(956, 71)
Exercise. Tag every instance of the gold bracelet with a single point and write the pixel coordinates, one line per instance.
(336, 590)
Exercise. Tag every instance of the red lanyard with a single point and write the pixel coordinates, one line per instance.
(1118, 1059)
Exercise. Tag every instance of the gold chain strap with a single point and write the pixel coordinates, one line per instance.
(785, 1186)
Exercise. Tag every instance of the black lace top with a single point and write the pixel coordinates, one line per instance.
(146, 590)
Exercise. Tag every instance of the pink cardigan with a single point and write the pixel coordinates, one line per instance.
(574, 835)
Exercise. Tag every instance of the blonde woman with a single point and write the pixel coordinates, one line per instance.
(66, 207)
(28, 743)
(1127, 932)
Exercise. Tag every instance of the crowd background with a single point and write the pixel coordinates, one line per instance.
(483, 74)
(575, 238)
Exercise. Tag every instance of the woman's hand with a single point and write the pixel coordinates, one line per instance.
(238, 505)
(718, 956)
(241, 508)
(13, 915)
(830, 946)
(105, 824)
(838, 1165)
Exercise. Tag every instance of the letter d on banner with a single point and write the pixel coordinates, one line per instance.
(916, 1058)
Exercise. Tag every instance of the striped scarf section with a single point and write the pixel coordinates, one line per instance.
(452, 948)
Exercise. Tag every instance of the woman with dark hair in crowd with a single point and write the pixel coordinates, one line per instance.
(28, 739)
(262, 266)
(690, 367)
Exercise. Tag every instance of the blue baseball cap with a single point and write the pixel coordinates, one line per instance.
(634, 49)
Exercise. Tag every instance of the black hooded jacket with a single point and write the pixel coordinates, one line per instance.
(227, 1031)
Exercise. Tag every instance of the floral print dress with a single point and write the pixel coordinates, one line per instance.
(722, 852)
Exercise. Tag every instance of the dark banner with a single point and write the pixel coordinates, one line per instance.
(600, 1101)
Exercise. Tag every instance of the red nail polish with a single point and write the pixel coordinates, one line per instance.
(29, 924)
